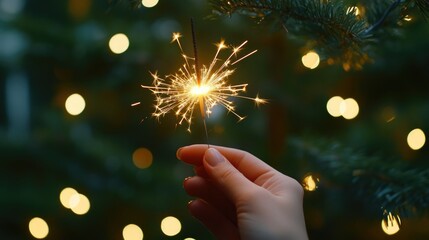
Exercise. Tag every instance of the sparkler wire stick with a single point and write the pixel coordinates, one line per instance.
(198, 73)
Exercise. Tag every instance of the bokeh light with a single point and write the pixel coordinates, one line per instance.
(132, 232)
(408, 18)
(149, 3)
(119, 43)
(80, 205)
(349, 108)
(333, 106)
(353, 10)
(171, 226)
(391, 224)
(310, 183)
(311, 60)
(189, 239)
(66, 195)
(416, 139)
(142, 158)
(38, 228)
(75, 104)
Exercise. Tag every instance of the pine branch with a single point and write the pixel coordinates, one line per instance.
(423, 5)
(329, 26)
(394, 186)
(334, 31)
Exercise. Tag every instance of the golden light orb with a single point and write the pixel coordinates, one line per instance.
(311, 60)
(81, 206)
(38, 228)
(149, 3)
(119, 43)
(416, 139)
(353, 10)
(66, 195)
(142, 158)
(75, 104)
(310, 183)
(333, 106)
(349, 108)
(171, 226)
(132, 232)
(391, 224)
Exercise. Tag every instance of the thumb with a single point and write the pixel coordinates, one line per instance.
(225, 176)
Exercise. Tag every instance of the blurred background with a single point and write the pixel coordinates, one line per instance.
(78, 161)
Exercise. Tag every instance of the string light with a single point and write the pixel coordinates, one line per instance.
(333, 106)
(132, 232)
(38, 228)
(391, 224)
(416, 139)
(311, 60)
(149, 3)
(119, 43)
(349, 108)
(81, 204)
(337, 106)
(66, 195)
(408, 18)
(75, 104)
(171, 226)
(310, 183)
(353, 10)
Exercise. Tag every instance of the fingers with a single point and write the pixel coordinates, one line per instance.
(217, 223)
(226, 177)
(201, 188)
(250, 166)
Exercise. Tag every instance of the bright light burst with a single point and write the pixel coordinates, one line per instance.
(180, 92)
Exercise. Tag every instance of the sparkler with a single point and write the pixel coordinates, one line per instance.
(206, 86)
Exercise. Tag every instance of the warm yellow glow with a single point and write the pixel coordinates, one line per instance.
(310, 183)
(408, 18)
(79, 8)
(182, 91)
(353, 10)
(132, 232)
(171, 226)
(149, 3)
(38, 228)
(119, 43)
(311, 60)
(200, 90)
(75, 104)
(189, 239)
(81, 204)
(349, 108)
(391, 224)
(333, 106)
(142, 158)
(65, 196)
(416, 139)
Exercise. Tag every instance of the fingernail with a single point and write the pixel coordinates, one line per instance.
(184, 181)
(178, 153)
(213, 157)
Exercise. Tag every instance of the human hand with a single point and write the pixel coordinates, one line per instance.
(241, 197)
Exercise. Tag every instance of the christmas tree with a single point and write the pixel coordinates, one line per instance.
(347, 113)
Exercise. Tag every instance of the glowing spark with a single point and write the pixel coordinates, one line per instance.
(180, 92)
(135, 104)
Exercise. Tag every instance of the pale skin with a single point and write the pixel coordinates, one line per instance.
(238, 196)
